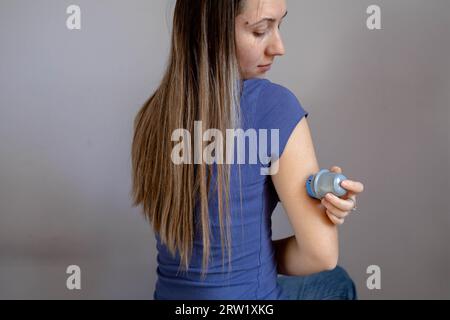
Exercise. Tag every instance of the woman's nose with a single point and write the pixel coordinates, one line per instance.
(276, 47)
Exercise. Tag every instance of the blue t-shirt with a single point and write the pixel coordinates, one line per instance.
(253, 274)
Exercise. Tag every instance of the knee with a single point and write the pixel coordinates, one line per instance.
(345, 286)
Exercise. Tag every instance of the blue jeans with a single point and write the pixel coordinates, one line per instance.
(327, 285)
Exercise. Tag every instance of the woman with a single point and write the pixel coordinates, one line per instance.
(219, 55)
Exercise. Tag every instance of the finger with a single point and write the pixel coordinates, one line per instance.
(352, 186)
(335, 211)
(334, 219)
(340, 204)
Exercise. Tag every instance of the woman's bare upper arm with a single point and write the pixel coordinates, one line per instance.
(315, 233)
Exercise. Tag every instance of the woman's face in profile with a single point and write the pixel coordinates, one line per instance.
(258, 37)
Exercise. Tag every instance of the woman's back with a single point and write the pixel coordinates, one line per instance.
(253, 273)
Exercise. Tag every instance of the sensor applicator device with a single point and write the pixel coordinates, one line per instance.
(323, 182)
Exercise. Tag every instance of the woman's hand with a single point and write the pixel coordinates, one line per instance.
(339, 208)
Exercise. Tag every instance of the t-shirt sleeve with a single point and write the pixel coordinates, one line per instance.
(278, 108)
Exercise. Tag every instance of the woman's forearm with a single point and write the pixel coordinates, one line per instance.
(292, 262)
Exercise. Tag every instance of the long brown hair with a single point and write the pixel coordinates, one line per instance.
(202, 83)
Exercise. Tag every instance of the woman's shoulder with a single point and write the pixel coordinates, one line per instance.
(272, 104)
(279, 108)
(268, 91)
(273, 98)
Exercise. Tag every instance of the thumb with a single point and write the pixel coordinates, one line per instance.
(336, 169)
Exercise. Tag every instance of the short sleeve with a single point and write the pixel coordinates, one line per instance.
(277, 108)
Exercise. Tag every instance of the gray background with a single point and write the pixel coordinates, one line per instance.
(379, 108)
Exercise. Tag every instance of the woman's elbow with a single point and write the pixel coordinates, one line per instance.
(327, 262)
(327, 253)
(330, 263)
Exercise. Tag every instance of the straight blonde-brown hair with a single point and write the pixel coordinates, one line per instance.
(201, 83)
